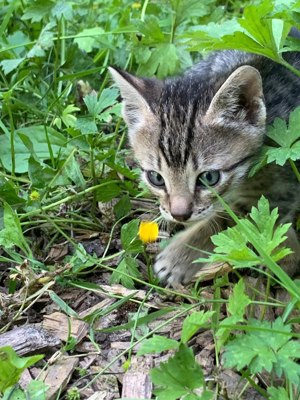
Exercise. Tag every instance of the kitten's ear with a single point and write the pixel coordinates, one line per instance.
(239, 99)
(139, 97)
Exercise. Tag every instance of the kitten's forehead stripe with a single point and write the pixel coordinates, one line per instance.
(178, 115)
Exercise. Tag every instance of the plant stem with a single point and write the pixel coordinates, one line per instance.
(65, 200)
(143, 12)
(295, 169)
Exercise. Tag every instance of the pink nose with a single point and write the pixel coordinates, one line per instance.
(181, 208)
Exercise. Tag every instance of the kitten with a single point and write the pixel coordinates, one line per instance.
(209, 125)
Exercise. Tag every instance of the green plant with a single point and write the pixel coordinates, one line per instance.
(11, 368)
(62, 150)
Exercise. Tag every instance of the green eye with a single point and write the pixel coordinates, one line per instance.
(210, 178)
(155, 179)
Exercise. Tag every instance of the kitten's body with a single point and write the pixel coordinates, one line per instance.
(211, 121)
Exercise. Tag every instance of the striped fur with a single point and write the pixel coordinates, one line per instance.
(212, 118)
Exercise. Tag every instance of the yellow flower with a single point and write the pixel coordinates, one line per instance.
(34, 195)
(136, 5)
(148, 231)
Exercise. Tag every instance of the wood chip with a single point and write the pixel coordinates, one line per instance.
(25, 379)
(107, 384)
(28, 339)
(58, 324)
(58, 375)
(122, 291)
(100, 396)
(136, 381)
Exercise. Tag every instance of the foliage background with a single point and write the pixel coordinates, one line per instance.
(63, 150)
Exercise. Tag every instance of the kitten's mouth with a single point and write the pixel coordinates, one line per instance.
(202, 215)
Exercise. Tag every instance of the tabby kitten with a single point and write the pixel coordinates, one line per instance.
(209, 125)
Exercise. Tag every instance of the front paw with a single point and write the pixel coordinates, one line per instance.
(173, 265)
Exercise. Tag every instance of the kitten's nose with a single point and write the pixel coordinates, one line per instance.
(181, 208)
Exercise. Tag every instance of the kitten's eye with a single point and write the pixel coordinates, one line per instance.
(155, 178)
(211, 178)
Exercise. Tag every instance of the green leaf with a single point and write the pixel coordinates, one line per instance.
(129, 240)
(13, 393)
(271, 350)
(88, 38)
(62, 9)
(37, 136)
(12, 234)
(108, 192)
(62, 304)
(238, 301)
(278, 393)
(186, 9)
(257, 33)
(44, 42)
(37, 11)
(126, 270)
(232, 245)
(151, 30)
(179, 376)
(122, 207)
(157, 344)
(107, 98)
(9, 192)
(193, 323)
(12, 366)
(163, 61)
(11, 65)
(37, 390)
(286, 137)
(86, 125)
(237, 304)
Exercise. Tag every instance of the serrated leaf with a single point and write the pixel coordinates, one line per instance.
(151, 30)
(12, 366)
(163, 61)
(259, 350)
(193, 323)
(44, 42)
(232, 245)
(129, 233)
(108, 192)
(179, 376)
(122, 207)
(237, 304)
(107, 98)
(124, 272)
(62, 9)
(11, 65)
(257, 33)
(37, 11)
(157, 344)
(186, 9)
(287, 137)
(87, 39)
(238, 301)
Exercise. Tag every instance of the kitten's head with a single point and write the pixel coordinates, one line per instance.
(190, 130)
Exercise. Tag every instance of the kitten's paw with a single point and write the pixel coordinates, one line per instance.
(175, 267)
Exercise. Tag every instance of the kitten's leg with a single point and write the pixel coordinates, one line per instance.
(174, 264)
